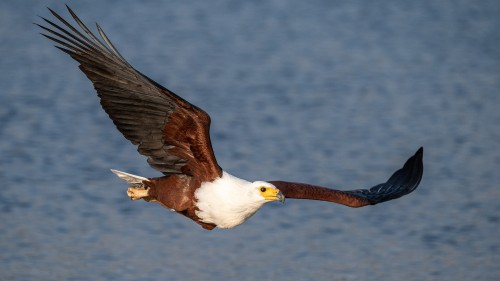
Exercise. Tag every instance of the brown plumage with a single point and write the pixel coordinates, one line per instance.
(170, 131)
(174, 136)
(402, 182)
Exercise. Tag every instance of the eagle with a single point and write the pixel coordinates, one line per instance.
(174, 136)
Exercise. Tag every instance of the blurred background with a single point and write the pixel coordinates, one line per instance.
(333, 93)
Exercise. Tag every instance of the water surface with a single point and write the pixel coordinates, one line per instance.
(328, 92)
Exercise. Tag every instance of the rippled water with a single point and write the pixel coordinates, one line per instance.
(329, 92)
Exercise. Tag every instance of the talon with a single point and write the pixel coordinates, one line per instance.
(136, 193)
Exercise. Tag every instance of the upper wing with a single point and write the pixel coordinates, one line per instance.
(170, 131)
(402, 182)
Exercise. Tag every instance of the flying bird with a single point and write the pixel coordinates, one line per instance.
(174, 136)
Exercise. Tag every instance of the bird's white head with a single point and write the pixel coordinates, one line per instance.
(229, 201)
(268, 191)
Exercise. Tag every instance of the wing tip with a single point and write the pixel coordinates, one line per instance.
(420, 151)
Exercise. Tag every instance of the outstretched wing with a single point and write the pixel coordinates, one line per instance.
(402, 182)
(172, 133)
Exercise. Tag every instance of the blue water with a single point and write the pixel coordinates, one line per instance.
(335, 93)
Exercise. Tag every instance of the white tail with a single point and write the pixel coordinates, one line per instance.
(131, 179)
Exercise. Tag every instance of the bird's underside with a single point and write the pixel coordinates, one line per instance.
(173, 135)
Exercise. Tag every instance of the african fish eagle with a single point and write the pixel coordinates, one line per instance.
(174, 136)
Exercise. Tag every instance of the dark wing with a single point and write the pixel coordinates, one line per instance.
(172, 133)
(402, 182)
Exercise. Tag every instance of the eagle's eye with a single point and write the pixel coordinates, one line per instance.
(263, 189)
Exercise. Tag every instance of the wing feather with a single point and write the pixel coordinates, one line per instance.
(402, 182)
(172, 133)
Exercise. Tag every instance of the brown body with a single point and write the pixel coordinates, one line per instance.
(176, 192)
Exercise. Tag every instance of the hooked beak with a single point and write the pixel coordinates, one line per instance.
(280, 197)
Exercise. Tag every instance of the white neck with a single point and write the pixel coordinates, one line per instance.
(227, 201)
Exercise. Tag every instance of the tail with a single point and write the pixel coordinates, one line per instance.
(133, 180)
